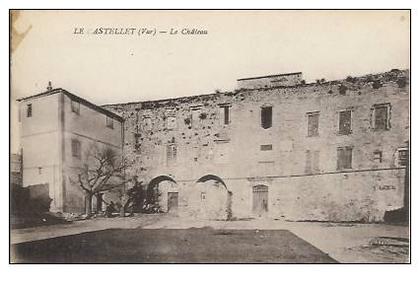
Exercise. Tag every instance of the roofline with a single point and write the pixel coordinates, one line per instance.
(270, 76)
(165, 99)
(74, 97)
(332, 82)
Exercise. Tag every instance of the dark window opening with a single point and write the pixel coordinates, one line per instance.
(344, 157)
(402, 157)
(344, 127)
(265, 147)
(381, 117)
(76, 148)
(313, 124)
(29, 110)
(266, 117)
(226, 115)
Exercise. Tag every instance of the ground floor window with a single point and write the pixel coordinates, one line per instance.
(344, 157)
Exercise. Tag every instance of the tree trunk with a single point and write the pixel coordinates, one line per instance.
(88, 204)
(122, 211)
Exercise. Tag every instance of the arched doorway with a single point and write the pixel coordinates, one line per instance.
(163, 190)
(214, 198)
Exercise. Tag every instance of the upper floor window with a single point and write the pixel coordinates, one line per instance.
(402, 156)
(344, 122)
(171, 154)
(313, 123)
(75, 148)
(225, 114)
(75, 106)
(266, 117)
(109, 122)
(29, 110)
(195, 117)
(344, 157)
(265, 147)
(381, 116)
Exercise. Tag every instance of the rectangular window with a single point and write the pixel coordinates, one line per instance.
(381, 117)
(109, 122)
(313, 123)
(225, 114)
(266, 117)
(29, 110)
(344, 125)
(265, 147)
(75, 107)
(195, 117)
(402, 157)
(171, 153)
(377, 156)
(312, 161)
(171, 122)
(75, 148)
(344, 157)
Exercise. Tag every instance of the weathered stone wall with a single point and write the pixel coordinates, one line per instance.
(196, 129)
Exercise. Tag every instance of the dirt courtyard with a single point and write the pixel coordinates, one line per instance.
(166, 238)
(195, 245)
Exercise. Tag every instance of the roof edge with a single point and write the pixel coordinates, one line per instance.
(74, 97)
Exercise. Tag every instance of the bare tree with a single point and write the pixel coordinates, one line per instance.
(102, 170)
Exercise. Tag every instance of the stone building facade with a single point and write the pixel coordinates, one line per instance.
(16, 170)
(330, 151)
(57, 129)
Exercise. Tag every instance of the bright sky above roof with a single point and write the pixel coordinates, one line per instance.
(118, 68)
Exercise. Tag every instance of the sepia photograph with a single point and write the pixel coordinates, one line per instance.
(210, 136)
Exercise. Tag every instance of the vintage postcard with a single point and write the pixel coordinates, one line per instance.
(210, 136)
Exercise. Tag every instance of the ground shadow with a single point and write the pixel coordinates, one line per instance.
(199, 245)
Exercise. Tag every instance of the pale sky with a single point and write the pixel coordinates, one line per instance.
(124, 68)
(116, 68)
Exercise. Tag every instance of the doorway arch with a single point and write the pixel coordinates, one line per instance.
(214, 198)
(163, 190)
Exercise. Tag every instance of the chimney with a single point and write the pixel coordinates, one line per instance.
(49, 87)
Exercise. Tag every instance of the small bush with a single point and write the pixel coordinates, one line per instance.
(350, 79)
(402, 82)
(376, 84)
(342, 89)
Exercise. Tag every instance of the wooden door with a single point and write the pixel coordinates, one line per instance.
(260, 200)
